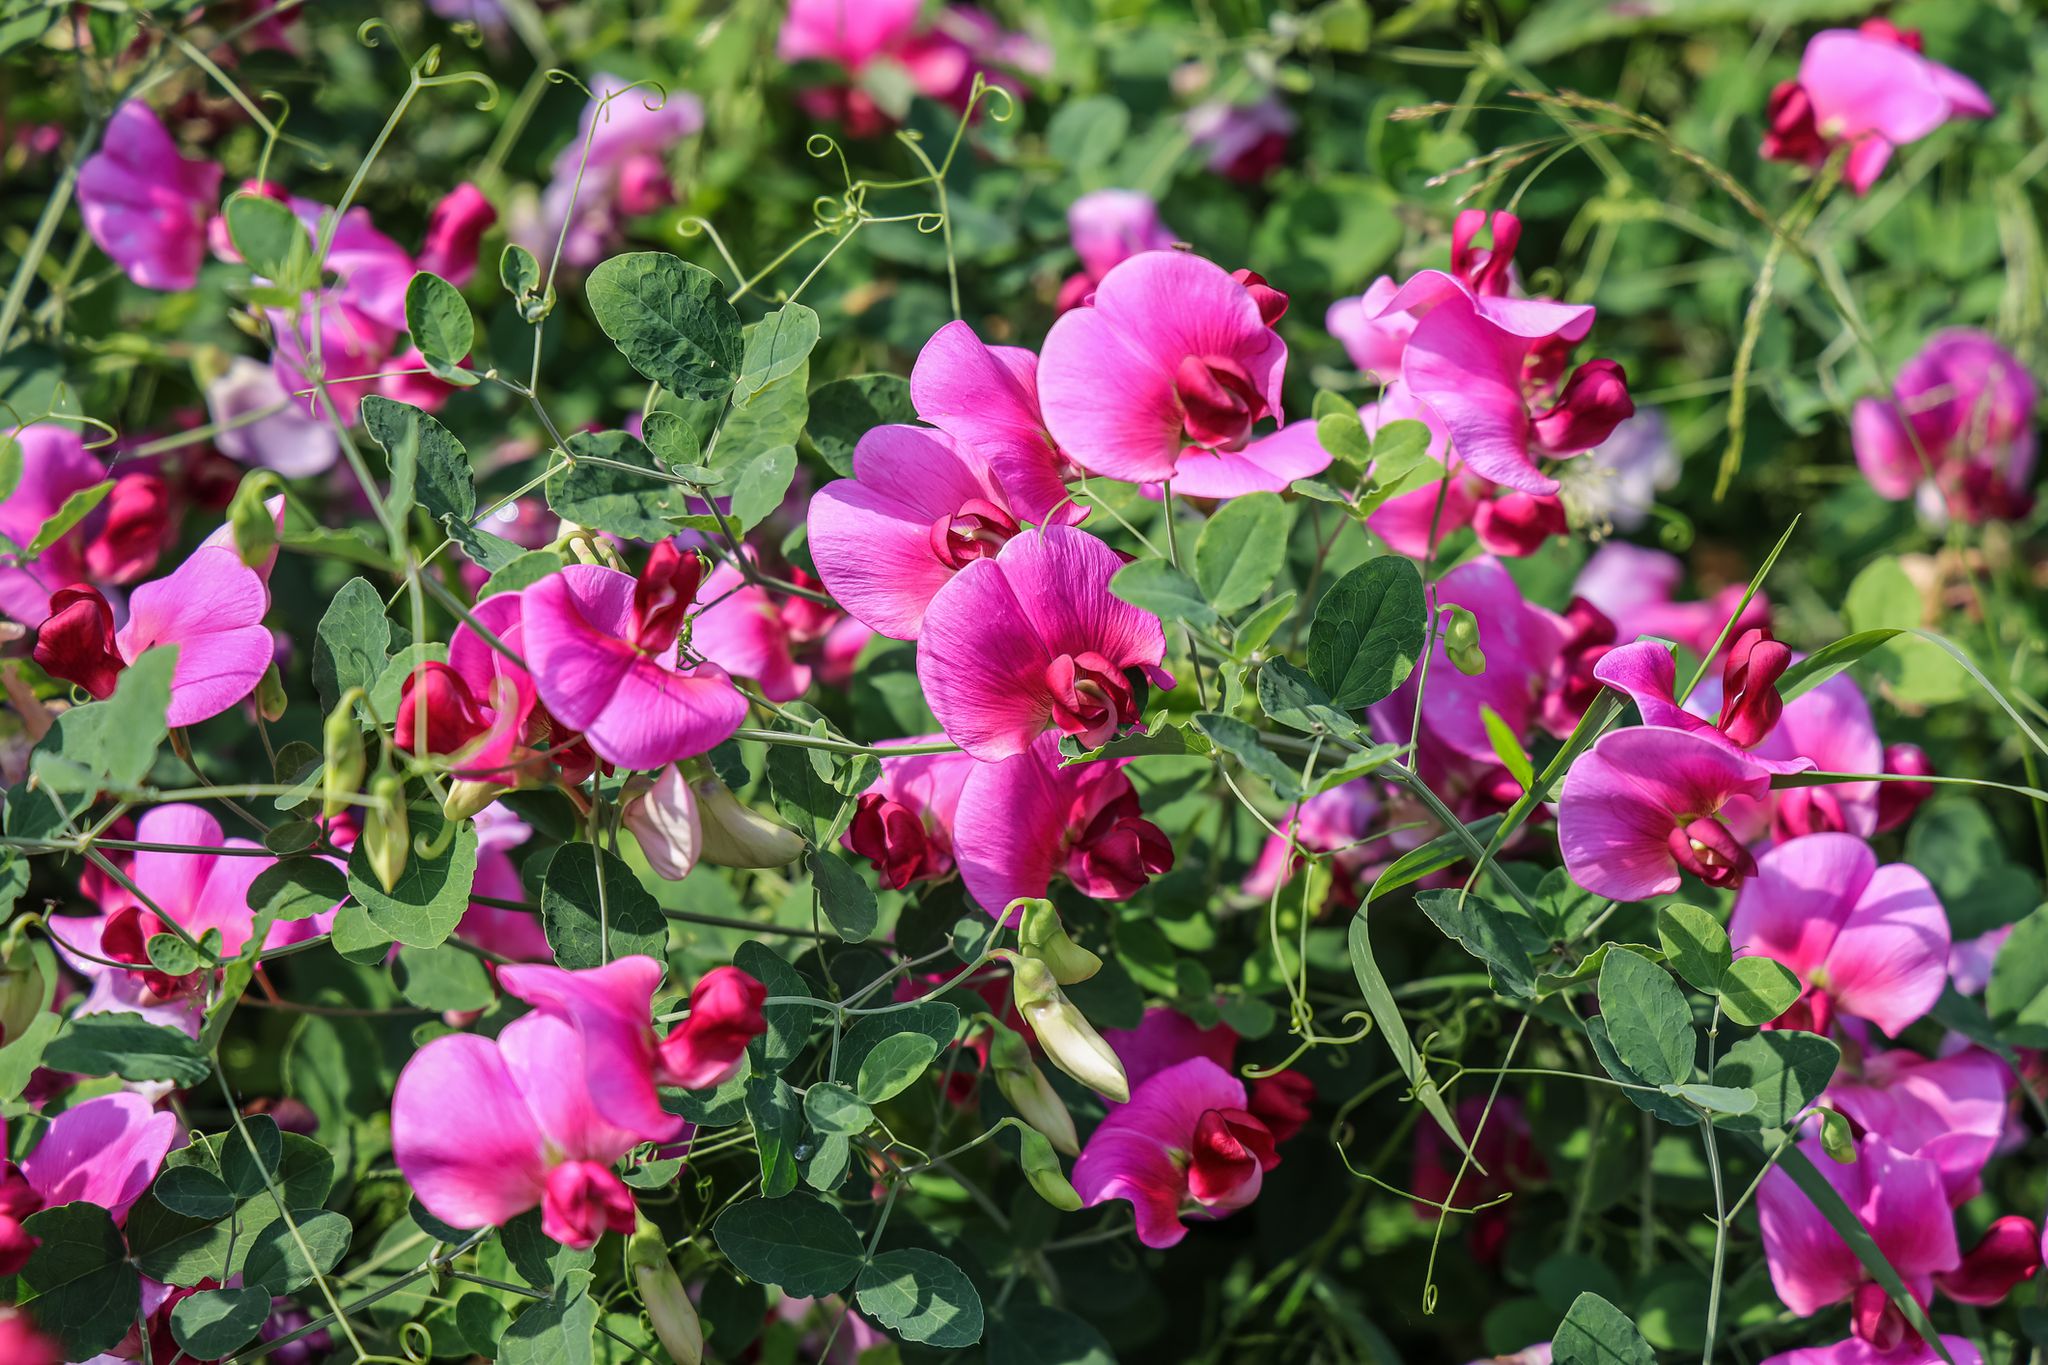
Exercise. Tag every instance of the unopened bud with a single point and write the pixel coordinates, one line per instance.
(347, 762)
(1028, 1091)
(668, 1305)
(23, 988)
(663, 816)
(1070, 1041)
(738, 836)
(1461, 642)
(467, 796)
(251, 523)
(1041, 935)
(387, 830)
(270, 698)
(1042, 1169)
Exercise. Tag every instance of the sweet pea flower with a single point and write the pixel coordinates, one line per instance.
(1901, 1204)
(749, 632)
(1857, 1351)
(725, 1015)
(474, 709)
(1336, 822)
(1870, 90)
(2006, 1256)
(630, 134)
(663, 818)
(1949, 1110)
(1896, 801)
(1646, 802)
(514, 934)
(454, 231)
(485, 1129)
(1033, 639)
(602, 647)
(145, 204)
(116, 543)
(1957, 431)
(1614, 487)
(1026, 818)
(1636, 588)
(210, 607)
(287, 439)
(1107, 228)
(904, 823)
(851, 33)
(1185, 1146)
(1507, 522)
(939, 61)
(1242, 142)
(919, 507)
(22, 1344)
(1750, 705)
(987, 399)
(1828, 728)
(1174, 353)
(104, 1151)
(1165, 1038)
(1865, 940)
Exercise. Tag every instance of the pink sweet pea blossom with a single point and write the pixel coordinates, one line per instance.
(485, 1129)
(516, 934)
(1949, 1110)
(1866, 940)
(1636, 587)
(2006, 1256)
(1174, 353)
(1244, 142)
(454, 231)
(1957, 431)
(1024, 819)
(1185, 1146)
(1900, 1202)
(851, 33)
(752, 634)
(474, 709)
(288, 440)
(1643, 803)
(211, 607)
(904, 823)
(1033, 639)
(1749, 704)
(1857, 1351)
(602, 647)
(1828, 728)
(987, 399)
(1868, 89)
(116, 543)
(145, 204)
(919, 507)
(725, 1015)
(104, 1152)
(1335, 822)
(1165, 1037)
(626, 175)
(940, 61)
(1107, 228)
(22, 1344)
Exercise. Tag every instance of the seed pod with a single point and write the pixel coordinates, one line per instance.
(387, 830)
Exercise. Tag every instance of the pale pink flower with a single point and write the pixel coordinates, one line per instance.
(1957, 431)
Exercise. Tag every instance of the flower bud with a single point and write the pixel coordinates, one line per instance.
(468, 796)
(1040, 935)
(663, 817)
(1028, 1091)
(270, 698)
(676, 1325)
(387, 830)
(1461, 642)
(736, 836)
(22, 990)
(1042, 1169)
(1896, 801)
(1070, 1041)
(347, 762)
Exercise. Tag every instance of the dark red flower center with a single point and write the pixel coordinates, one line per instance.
(1704, 847)
(976, 530)
(1090, 697)
(890, 835)
(1230, 1147)
(76, 643)
(662, 596)
(1218, 401)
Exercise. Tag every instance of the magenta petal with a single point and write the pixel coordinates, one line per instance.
(1856, 1351)
(1469, 371)
(544, 1056)
(1890, 962)
(462, 1136)
(104, 1151)
(982, 663)
(1884, 449)
(1165, 1037)
(661, 716)
(871, 535)
(1861, 85)
(1622, 798)
(1951, 1110)
(211, 607)
(1010, 824)
(573, 624)
(1061, 578)
(174, 880)
(144, 203)
(1267, 465)
(744, 633)
(610, 1008)
(1811, 1266)
(986, 397)
(1803, 893)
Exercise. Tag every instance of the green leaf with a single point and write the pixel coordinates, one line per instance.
(128, 1046)
(1033, 1334)
(893, 1064)
(595, 911)
(801, 782)
(389, 691)
(249, 1156)
(296, 889)
(74, 509)
(835, 1110)
(521, 571)
(444, 978)
(1386, 1016)
(1507, 748)
(934, 1019)
(78, 1285)
(1883, 596)
(848, 900)
(1720, 1099)
(1483, 930)
(2017, 998)
(1242, 549)
(195, 1192)
(1785, 1068)
(540, 1260)
(351, 644)
(1294, 699)
(1259, 627)
(604, 498)
(172, 955)
(441, 327)
(1235, 737)
(551, 1332)
(1641, 1093)
(269, 238)
(446, 485)
(1087, 133)
(430, 896)
(799, 1244)
(670, 320)
(1368, 632)
(1695, 945)
(1595, 1332)
(117, 740)
(1156, 586)
(789, 1026)
(520, 273)
(1756, 990)
(1647, 1018)
(777, 1116)
(1828, 1200)
(218, 1322)
(760, 485)
(1830, 659)
(845, 410)
(921, 1296)
(776, 347)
